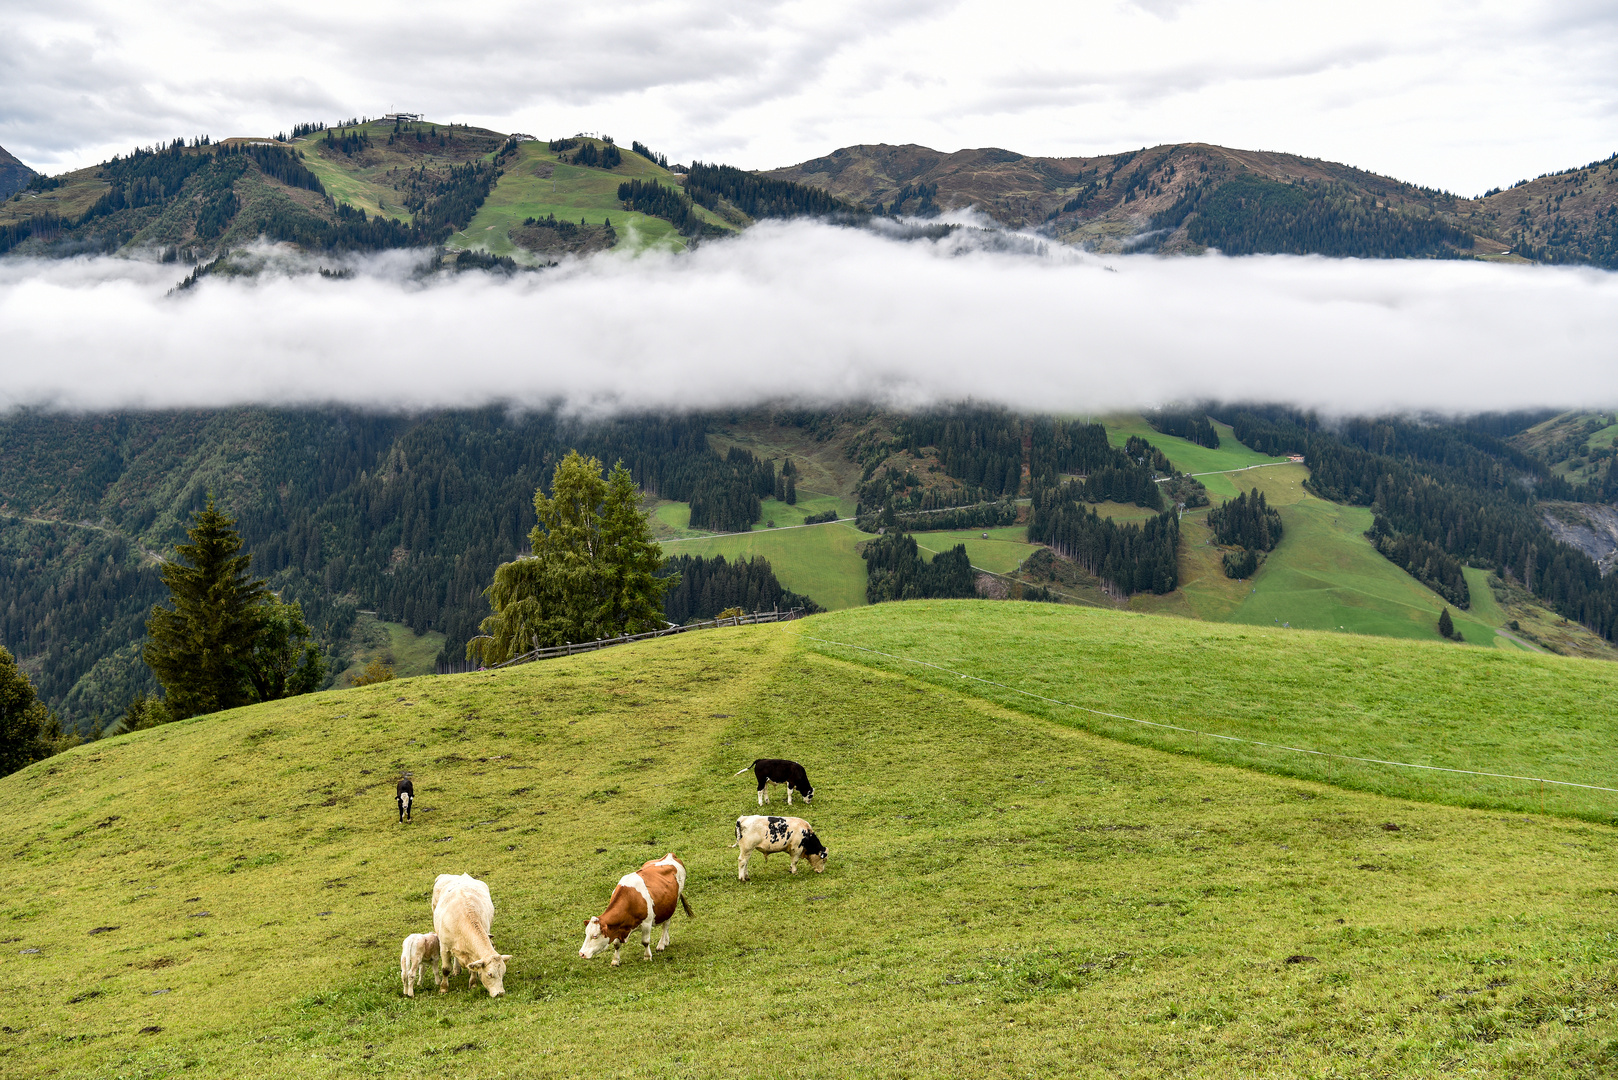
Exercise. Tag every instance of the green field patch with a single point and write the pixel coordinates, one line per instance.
(538, 184)
(1184, 455)
(999, 551)
(1324, 575)
(821, 562)
(809, 504)
(1091, 908)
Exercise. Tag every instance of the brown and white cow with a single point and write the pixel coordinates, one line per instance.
(462, 912)
(767, 834)
(644, 899)
(417, 949)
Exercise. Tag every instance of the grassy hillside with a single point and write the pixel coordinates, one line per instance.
(820, 561)
(226, 896)
(538, 183)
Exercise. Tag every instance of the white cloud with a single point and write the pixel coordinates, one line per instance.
(819, 314)
(1463, 94)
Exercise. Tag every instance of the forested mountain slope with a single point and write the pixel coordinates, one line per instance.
(343, 511)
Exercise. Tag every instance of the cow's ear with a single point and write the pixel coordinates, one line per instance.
(504, 957)
(475, 965)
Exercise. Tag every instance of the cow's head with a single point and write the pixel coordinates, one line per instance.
(815, 852)
(595, 939)
(492, 973)
(808, 796)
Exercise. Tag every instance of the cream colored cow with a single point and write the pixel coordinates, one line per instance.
(462, 912)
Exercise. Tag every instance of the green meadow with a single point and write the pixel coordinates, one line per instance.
(820, 561)
(999, 551)
(1432, 704)
(1008, 894)
(537, 183)
(1324, 574)
(1188, 457)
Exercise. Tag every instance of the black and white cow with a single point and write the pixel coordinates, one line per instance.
(405, 794)
(780, 771)
(767, 834)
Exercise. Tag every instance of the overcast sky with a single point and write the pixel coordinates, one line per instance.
(1459, 95)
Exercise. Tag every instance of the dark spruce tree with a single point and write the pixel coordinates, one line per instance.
(228, 640)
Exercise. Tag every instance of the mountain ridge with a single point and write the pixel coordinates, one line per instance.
(1111, 201)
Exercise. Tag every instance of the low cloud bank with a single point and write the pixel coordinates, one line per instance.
(818, 315)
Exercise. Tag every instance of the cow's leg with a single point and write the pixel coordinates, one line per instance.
(794, 866)
(741, 865)
(763, 795)
(789, 794)
(615, 947)
(646, 938)
(445, 957)
(663, 942)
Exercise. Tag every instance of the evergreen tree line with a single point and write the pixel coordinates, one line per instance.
(993, 515)
(1425, 561)
(349, 143)
(1458, 489)
(1247, 521)
(727, 497)
(606, 156)
(1250, 215)
(648, 153)
(657, 200)
(1191, 426)
(1128, 558)
(709, 586)
(759, 196)
(984, 448)
(895, 570)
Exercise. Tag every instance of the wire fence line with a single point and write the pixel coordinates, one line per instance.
(1213, 734)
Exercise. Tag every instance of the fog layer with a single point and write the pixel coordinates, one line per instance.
(819, 315)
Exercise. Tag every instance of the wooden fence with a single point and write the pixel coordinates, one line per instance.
(606, 643)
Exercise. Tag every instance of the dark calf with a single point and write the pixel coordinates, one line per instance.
(781, 771)
(406, 794)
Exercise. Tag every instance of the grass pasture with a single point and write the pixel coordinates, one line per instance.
(537, 184)
(1426, 703)
(1324, 575)
(1001, 552)
(1187, 456)
(1006, 896)
(820, 561)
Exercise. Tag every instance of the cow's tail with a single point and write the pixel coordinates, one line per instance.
(738, 842)
(687, 905)
(744, 768)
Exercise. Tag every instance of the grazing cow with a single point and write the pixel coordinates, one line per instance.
(405, 793)
(644, 899)
(781, 771)
(417, 948)
(462, 912)
(767, 835)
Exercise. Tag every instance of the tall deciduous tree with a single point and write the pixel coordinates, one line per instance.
(227, 641)
(592, 573)
(28, 731)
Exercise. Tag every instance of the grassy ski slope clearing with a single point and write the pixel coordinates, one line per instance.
(1006, 896)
